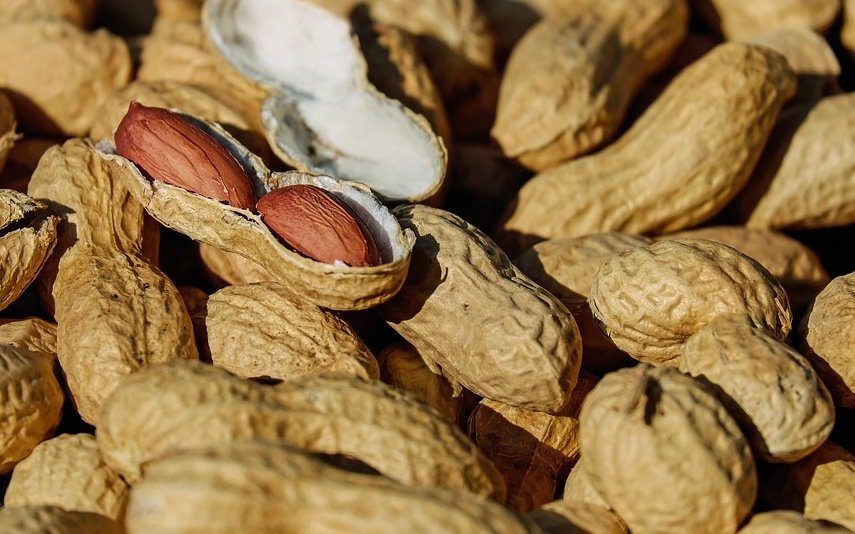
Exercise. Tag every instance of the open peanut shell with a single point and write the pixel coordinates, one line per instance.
(323, 115)
(335, 286)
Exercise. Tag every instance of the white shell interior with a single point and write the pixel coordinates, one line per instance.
(323, 112)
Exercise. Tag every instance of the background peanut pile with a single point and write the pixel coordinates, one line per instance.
(464, 266)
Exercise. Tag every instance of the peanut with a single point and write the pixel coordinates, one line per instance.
(529, 352)
(169, 149)
(187, 407)
(52, 519)
(38, 53)
(260, 487)
(771, 390)
(738, 20)
(660, 176)
(68, 472)
(318, 225)
(788, 522)
(827, 336)
(584, 66)
(561, 517)
(641, 427)
(806, 178)
(264, 331)
(820, 486)
(651, 300)
(30, 402)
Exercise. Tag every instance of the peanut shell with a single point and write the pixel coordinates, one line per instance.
(30, 333)
(571, 78)
(566, 268)
(264, 330)
(847, 32)
(737, 20)
(821, 486)
(54, 520)
(39, 54)
(78, 12)
(68, 471)
(116, 314)
(651, 300)
(660, 176)
(228, 268)
(578, 488)
(185, 406)
(27, 238)
(794, 265)
(806, 178)
(641, 427)
(181, 10)
(528, 351)
(771, 390)
(788, 522)
(827, 335)
(264, 488)
(243, 232)
(30, 402)
(565, 517)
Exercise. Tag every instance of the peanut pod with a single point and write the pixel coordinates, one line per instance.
(562, 517)
(737, 20)
(78, 12)
(578, 488)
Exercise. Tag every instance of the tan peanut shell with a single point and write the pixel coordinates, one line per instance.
(665, 454)
(95, 205)
(571, 78)
(532, 450)
(183, 406)
(116, 314)
(847, 32)
(528, 350)
(794, 265)
(660, 176)
(252, 486)
(770, 389)
(31, 333)
(58, 75)
(78, 12)
(789, 522)
(27, 238)
(737, 20)
(578, 488)
(566, 268)
(243, 232)
(565, 517)
(54, 520)
(820, 486)
(402, 366)
(30, 402)
(196, 302)
(264, 330)
(8, 135)
(68, 471)
(651, 300)
(180, 10)
(806, 178)
(810, 56)
(827, 336)
(229, 268)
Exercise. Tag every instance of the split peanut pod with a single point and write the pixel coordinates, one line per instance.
(261, 487)
(328, 120)
(27, 238)
(782, 406)
(185, 406)
(265, 331)
(528, 351)
(651, 300)
(53, 519)
(68, 471)
(737, 20)
(570, 80)
(827, 335)
(229, 227)
(30, 402)
(38, 53)
(659, 177)
(641, 427)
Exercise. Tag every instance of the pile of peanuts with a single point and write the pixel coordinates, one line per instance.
(475, 266)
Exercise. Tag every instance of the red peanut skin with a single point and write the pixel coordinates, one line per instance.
(318, 225)
(167, 148)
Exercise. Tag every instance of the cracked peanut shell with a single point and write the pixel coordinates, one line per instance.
(528, 350)
(665, 454)
(651, 300)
